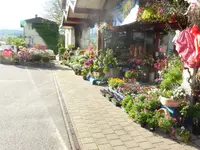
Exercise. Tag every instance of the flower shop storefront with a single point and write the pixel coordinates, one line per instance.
(140, 43)
(145, 76)
(168, 105)
(142, 48)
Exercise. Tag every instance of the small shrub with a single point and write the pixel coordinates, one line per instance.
(36, 57)
(45, 59)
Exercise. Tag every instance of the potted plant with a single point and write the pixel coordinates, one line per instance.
(129, 105)
(77, 69)
(141, 117)
(166, 99)
(84, 73)
(126, 101)
(152, 120)
(166, 124)
(182, 134)
(179, 93)
(109, 64)
(45, 59)
(130, 75)
(115, 82)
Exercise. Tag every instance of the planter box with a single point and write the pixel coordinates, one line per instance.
(116, 102)
(112, 73)
(108, 96)
(116, 93)
(103, 92)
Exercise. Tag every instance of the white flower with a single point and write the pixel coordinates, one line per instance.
(182, 128)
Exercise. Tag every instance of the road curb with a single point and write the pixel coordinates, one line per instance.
(74, 144)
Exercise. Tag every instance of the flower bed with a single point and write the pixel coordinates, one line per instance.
(30, 57)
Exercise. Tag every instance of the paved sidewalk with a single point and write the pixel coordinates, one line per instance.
(100, 125)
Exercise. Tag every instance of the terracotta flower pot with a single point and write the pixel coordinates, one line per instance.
(169, 102)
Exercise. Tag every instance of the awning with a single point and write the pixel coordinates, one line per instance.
(86, 11)
(22, 23)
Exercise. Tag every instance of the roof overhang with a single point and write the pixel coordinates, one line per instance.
(86, 11)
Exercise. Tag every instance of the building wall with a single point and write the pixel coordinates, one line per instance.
(69, 36)
(86, 36)
(31, 36)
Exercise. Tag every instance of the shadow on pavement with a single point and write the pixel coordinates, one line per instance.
(43, 67)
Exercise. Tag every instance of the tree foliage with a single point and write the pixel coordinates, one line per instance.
(53, 10)
(17, 41)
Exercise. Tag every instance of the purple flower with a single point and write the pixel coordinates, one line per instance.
(101, 65)
(110, 65)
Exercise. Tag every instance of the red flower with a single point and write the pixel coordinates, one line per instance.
(140, 10)
(173, 19)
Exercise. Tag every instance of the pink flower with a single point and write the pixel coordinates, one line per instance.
(172, 132)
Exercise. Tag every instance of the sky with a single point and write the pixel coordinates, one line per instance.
(14, 11)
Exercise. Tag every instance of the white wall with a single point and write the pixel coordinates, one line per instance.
(69, 36)
(31, 35)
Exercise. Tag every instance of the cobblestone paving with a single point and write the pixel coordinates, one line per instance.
(100, 125)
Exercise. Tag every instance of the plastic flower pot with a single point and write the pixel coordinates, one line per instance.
(152, 129)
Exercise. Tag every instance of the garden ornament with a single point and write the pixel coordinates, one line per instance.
(192, 5)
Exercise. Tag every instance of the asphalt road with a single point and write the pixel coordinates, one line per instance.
(30, 115)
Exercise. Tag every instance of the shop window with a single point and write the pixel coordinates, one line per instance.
(163, 43)
(138, 36)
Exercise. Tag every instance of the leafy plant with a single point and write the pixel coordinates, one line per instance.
(132, 113)
(115, 82)
(126, 100)
(130, 74)
(167, 93)
(36, 57)
(183, 133)
(61, 50)
(172, 76)
(141, 117)
(45, 59)
(129, 105)
(84, 72)
(108, 60)
(166, 124)
(15, 41)
(153, 119)
(179, 93)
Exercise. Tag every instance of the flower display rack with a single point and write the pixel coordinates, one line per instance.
(112, 96)
(95, 81)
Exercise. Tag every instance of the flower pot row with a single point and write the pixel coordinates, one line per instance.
(111, 97)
